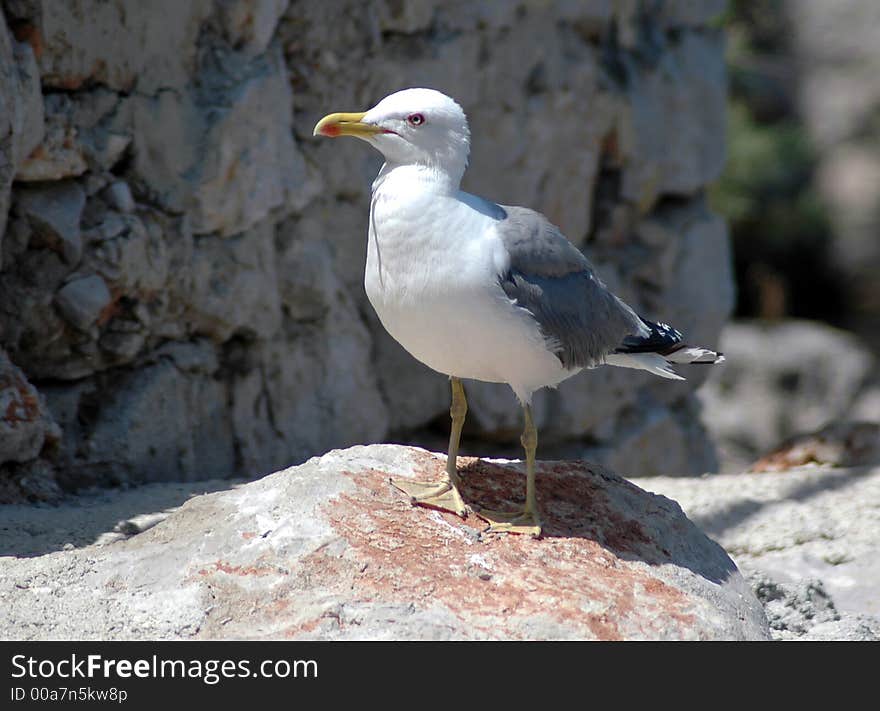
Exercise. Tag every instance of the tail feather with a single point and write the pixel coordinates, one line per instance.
(652, 362)
(695, 354)
(659, 349)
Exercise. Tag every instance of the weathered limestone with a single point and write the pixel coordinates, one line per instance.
(25, 423)
(81, 131)
(21, 115)
(123, 46)
(784, 380)
(235, 285)
(82, 301)
(55, 213)
(809, 536)
(224, 152)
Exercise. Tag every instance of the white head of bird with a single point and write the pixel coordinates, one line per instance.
(421, 127)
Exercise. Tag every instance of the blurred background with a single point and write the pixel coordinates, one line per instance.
(181, 261)
(801, 194)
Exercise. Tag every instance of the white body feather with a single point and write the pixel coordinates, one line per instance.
(433, 263)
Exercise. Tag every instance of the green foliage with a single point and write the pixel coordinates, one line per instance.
(767, 183)
(779, 224)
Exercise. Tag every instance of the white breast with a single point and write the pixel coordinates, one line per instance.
(432, 277)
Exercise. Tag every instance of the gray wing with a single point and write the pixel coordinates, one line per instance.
(550, 278)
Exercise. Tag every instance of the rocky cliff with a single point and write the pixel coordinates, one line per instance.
(180, 263)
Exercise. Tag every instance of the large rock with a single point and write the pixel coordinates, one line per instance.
(128, 290)
(676, 111)
(225, 152)
(167, 421)
(299, 398)
(840, 444)
(250, 24)
(84, 130)
(329, 550)
(807, 539)
(81, 301)
(803, 610)
(235, 285)
(54, 212)
(781, 380)
(21, 112)
(120, 45)
(25, 423)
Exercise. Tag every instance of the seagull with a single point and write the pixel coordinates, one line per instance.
(480, 291)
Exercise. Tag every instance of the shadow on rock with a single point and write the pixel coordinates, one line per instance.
(102, 516)
(581, 500)
(735, 513)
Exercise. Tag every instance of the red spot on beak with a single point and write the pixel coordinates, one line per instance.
(331, 130)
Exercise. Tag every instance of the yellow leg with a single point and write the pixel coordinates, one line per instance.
(527, 520)
(444, 494)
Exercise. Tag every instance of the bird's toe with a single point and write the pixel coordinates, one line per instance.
(442, 495)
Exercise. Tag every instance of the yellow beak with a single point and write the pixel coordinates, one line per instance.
(334, 125)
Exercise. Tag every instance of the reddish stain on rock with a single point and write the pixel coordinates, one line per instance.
(585, 573)
(112, 309)
(24, 406)
(240, 570)
(39, 153)
(840, 444)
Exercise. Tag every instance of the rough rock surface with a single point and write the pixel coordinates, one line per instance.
(803, 610)
(807, 539)
(172, 236)
(843, 444)
(25, 424)
(329, 550)
(782, 380)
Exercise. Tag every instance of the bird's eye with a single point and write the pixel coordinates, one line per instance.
(415, 119)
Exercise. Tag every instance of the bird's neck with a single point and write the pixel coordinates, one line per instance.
(416, 177)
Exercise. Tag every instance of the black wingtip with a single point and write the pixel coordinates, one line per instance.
(662, 338)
